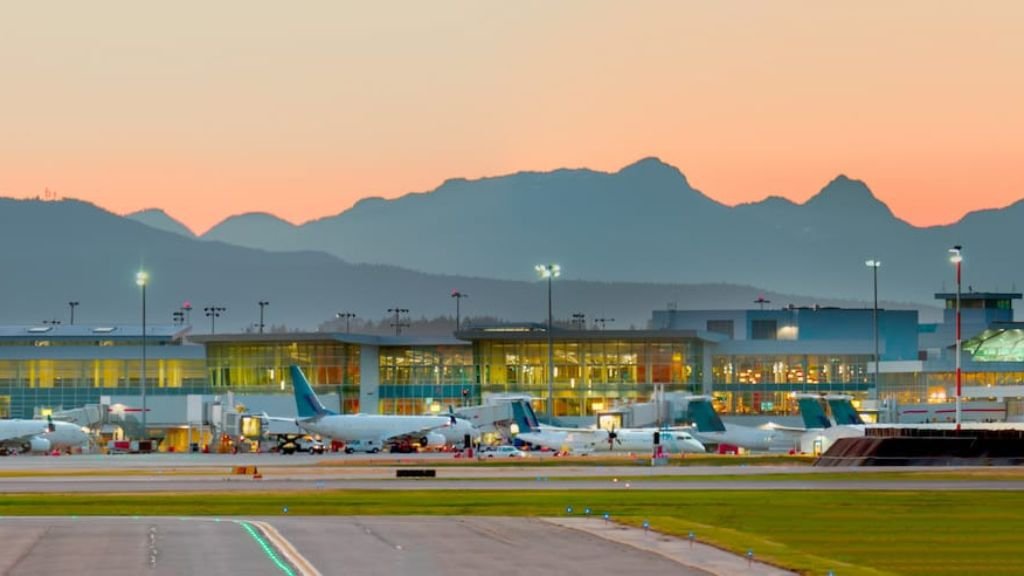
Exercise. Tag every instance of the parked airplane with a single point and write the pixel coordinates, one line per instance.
(586, 440)
(372, 432)
(710, 429)
(40, 435)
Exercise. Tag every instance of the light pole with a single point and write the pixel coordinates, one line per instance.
(398, 324)
(602, 321)
(458, 298)
(875, 265)
(956, 258)
(213, 312)
(579, 319)
(347, 316)
(72, 305)
(263, 304)
(550, 271)
(142, 278)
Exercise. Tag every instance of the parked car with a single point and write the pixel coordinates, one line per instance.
(506, 452)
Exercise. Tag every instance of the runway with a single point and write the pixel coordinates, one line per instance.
(371, 546)
(147, 484)
(152, 473)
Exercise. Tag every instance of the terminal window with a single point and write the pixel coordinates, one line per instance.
(764, 330)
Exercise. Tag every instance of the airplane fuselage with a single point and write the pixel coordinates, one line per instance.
(361, 427)
(624, 440)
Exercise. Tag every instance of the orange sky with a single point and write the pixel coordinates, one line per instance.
(208, 109)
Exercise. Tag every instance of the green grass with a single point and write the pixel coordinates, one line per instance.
(851, 532)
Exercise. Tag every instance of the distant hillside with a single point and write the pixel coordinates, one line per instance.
(156, 218)
(69, 250)
(646, 223)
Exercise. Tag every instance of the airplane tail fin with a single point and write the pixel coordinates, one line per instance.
(524, 417)
(306, 401)
(844, 412)
(703, 415)
(813, 413)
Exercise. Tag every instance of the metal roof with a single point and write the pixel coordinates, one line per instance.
(90, 331)
(342, 337)
(533, 334)
(979, 295)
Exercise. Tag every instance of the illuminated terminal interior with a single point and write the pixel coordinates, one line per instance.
(751, 362)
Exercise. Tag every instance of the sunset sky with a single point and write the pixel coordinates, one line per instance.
(208, 109)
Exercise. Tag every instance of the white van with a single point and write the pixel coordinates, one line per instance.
(365, 446)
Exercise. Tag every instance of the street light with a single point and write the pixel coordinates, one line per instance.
(875, 265)
(142, 278)
(398, 324)
(213, 312)
(458, 298)
(550, 271)
(72, 304)
(263, 304)
(579, 320)
(347, 316)
(956, 258)
(602, 321)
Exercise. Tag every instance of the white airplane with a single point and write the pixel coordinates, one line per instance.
(40, 435)
(372, 432)
(709, 429)
(587, 440)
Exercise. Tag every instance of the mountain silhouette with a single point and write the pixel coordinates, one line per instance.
(645, 223)
(157, 218)
(72, 250)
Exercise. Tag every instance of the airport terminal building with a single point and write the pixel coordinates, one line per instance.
(752, 362)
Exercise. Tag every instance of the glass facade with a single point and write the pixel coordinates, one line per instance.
(589, 375)
(762, 384)
(261, 367)
(938, 387)
(26, 384)
(420, 379)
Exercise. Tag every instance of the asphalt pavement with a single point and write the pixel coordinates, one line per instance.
(313, 546)
(127, 546)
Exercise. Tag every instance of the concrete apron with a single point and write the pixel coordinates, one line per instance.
(695, 555)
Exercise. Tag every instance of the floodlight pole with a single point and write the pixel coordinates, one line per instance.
(550, 271)
(141, 278)
(957, 259)
(875, 265)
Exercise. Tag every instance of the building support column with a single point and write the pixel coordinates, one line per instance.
(369, 379)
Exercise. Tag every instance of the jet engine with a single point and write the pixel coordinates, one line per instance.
(432, 440)
(38, 444)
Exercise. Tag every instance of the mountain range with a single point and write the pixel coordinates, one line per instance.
(69, 250)
(645, 223)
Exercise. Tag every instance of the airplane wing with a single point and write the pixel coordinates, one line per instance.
(413, 435)
(22, 434)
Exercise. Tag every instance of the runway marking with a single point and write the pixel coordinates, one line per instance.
(379, 537)
(304, 566)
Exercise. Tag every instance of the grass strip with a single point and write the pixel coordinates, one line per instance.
(850, 532)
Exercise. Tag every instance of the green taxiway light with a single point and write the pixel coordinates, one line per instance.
(267, 549)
